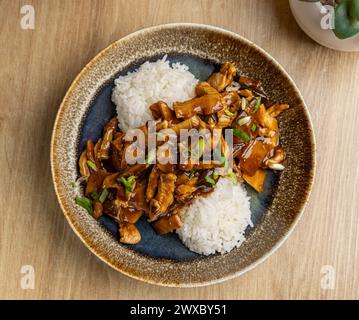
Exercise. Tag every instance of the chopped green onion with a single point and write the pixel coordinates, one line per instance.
(103, 195)
(92, 165)
(232, 176)
(244, 121)
(258, 103)
(84, 203)
(254, 127)
(210, 181)
(215, 174)
(228, 113)
(224, 161)
(201, 146)
(151, 156)
(192, 173)
(95, 195)
(244, 103)
(241, 134)
(129, 183)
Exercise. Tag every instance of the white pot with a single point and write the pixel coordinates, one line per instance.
(308, 16)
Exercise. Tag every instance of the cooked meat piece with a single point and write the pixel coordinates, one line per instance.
(204, 105)
(138, 198)
(182, 178)
(246, 93)
(276, 109)
(129, 214)
(253, 156)
(204, 88)
(111, 181)
(111, 209)
(164, 197)
(231, 98)
(257, 180)
(277, 158)
(129, 234)
(250, 83)
(135, 170)
(152, 183)
(117, 151)
(184, 191)
(160, 110)
(94, 182)
(110, 128)
(199, 166)
(190, 123)
(84, 169)
(97, 212)
(225, 120)
(223, 78)
(268, 124)
(167, 224)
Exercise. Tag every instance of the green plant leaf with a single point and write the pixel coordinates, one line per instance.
(354, 11)
(345, 25)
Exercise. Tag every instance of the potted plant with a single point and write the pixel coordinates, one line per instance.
(343, 31)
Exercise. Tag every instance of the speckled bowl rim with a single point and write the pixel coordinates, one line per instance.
(224, 32)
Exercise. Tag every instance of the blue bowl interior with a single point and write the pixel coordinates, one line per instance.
(163, 246)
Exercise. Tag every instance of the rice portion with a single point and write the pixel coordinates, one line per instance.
(217, 223)
(153, 81)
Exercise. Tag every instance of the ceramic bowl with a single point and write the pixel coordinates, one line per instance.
(164, 259)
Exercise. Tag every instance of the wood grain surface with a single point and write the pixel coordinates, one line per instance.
(36, 68)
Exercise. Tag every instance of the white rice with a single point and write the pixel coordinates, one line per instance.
(153, 81)
(217, 223)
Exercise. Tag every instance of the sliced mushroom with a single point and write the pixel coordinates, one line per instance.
(103, 152)
(152, 183)
(84, 170)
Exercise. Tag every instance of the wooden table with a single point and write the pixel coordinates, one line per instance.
(37, 66)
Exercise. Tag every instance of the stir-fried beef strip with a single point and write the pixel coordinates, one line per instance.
(161, 190)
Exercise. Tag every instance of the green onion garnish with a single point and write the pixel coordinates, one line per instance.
(241, 134)
(224, 162)
(228, 113)
(210, 181)
(201, 146)
(151, 156)
(103, 195)
(129, 183)
(258, 103)
(244, 121)
(233, 177)
(192, 173)
(215, 174)
(91, 164)
(254, 127)
(84, 203)
(244, 103)
(95, 195)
